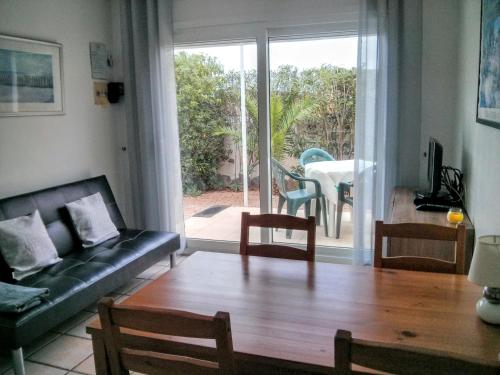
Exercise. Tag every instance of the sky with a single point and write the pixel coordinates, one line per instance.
(304, 54)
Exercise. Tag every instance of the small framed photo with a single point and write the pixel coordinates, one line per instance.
(31, 77)
(488, 98)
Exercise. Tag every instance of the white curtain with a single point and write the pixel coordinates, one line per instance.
(153, 135)
(376, 114)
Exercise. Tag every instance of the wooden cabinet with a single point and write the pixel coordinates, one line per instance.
(403, 210)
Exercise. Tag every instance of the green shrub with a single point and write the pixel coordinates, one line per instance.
(310, 108)
(200, 99)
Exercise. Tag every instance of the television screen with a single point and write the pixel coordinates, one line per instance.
(434, 166)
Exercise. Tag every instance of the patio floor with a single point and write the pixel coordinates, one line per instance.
(225, 224)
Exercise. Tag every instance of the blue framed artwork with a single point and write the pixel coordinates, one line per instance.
(488, 100)
(30, 77)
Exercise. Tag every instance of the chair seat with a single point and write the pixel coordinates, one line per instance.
(301, 194)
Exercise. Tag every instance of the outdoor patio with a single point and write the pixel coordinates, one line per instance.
(224, 223)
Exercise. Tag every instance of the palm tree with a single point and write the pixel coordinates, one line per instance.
(285, 115)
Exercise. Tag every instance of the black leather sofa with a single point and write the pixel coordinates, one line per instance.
(84, 275)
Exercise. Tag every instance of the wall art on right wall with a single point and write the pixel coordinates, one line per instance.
(488, 100)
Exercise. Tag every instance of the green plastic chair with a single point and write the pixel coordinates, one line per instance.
(296, 198)
(312, 155)
(344, 197)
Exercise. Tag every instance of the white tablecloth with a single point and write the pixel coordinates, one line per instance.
(329, 174)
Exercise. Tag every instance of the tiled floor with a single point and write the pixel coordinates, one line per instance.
(67, 349)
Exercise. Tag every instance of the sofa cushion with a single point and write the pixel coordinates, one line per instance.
(91, 220)
(87, 265)
(26, 245)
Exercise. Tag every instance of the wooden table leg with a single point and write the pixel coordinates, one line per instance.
(100, 359)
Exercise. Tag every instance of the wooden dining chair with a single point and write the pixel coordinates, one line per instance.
(277, 221)
(400, 359)
(132, 341)
(424, 232)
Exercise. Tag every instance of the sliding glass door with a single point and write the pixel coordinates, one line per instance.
(257, 117)
(218, 126)
(312, 112)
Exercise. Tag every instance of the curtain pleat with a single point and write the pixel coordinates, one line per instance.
(375, 126)
(152, 112)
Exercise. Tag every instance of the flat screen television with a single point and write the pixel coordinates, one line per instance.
(435, 161)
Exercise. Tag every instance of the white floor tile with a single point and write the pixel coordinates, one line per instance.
(87, 366)
(38, 369)
(80, 329)
(40, 343)
(65, 352)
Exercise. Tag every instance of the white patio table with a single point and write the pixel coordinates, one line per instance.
(329, 174)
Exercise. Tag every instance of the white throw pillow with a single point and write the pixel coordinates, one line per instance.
(26, 245)
(91, 220)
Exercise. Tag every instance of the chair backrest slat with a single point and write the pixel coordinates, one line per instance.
(277, 251)
(278, 221)
(133, 342)
(179, 323)
(160, 363)
(399, 359)
(130, 339)
(424, 232)
(419, 231)
(424, 264)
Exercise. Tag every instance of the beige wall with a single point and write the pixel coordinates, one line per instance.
(42, 151)
(428, 64)
(409, 92)
(449, 76)
(440, 29)
(480, 144)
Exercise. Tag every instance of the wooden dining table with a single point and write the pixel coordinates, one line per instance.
(284, 313)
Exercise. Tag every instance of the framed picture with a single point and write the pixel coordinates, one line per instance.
(488, 98)
(31, 81)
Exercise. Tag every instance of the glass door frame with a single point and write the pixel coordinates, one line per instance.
(262, 39)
